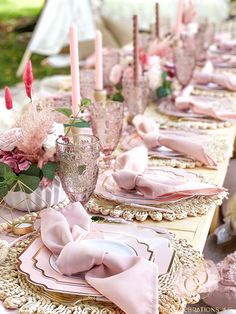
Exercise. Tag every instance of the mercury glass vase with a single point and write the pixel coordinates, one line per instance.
(77, 159)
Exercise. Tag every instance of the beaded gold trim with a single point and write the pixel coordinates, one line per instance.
(191, 207)
(17, 293)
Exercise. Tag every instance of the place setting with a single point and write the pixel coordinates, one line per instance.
(95, 189)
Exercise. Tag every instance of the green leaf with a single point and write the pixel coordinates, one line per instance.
(4, 168)
(30, 183)
(3, 190)
(164, 76)
(81, 169)
(119, 87)
(162, 92)
(79, 124)
(66, 111)
(10, 178)
(118, 97)
(86, 102)
(49, 170)
(33, 170)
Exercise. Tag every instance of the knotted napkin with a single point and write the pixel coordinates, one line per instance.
(115, 277)
(185, 143)
(207, 75)
(164, 182)
(204, 106)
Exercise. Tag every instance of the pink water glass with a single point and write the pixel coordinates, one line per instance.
(136, 94)
(77, 158)
(111, 57)
(107, 122)
(87, 83)
(185, 63)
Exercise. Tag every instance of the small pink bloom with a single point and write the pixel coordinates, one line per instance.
(45, 182)
(28, 79)
(8, 98)
(143, 58)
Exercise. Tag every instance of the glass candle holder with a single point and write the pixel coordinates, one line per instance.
(77, 158)
(136, 94)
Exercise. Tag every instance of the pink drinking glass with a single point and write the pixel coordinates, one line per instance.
(185, 62)
(77, 159)
(136, 94)
(111, 57)
(107, 122)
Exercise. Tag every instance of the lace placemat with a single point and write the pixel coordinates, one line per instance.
(17, 292)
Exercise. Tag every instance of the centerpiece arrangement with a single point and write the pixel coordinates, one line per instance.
(27, 156)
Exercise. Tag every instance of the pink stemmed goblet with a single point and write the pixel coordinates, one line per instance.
(107, 122)
(185, 62)
(77, 158)
(111, 57)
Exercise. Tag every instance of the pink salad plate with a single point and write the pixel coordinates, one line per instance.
(131, 139)
(108, 189)
(38, 264)
(168, 107)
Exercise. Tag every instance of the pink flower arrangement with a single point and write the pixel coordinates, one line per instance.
(14, 159)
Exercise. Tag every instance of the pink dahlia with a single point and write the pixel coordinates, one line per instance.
(16, 161)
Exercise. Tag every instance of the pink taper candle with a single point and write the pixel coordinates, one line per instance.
(74, 69)
(179, 17)
(99, 62)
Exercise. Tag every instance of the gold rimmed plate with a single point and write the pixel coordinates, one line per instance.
(38, 264)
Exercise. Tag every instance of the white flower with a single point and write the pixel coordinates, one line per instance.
(57, 130)
(192, 29)
(115, 75)
(155, 77)
(154, 61)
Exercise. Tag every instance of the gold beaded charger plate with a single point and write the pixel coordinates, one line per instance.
(109, 200)
(17, 292)
(216, 146)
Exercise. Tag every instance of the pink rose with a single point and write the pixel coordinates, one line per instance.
(16, 161)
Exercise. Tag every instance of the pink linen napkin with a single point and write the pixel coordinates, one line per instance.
(204, 105)
(165, 182)
(148, 129)
(227, 44)
(207, 75)
(115, 277)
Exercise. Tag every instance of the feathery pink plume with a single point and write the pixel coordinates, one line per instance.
(28, 79)
(8, 98)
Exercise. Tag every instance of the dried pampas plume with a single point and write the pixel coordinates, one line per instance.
(35, 129)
